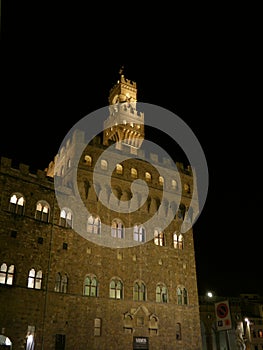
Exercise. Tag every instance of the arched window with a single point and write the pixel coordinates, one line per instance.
(91, 286)
(148, 176)
(34, 279)
(117, 229)
(61, 283)
(42, 211)
(116, 289)
(185, 296)
(66, 218)
(94, 225)
(161, 293)
(103, 164)
(17, 204)
(57, 282)
(139, 291)
(158, 237)
(134, 173)
(153, 325)
(174, 184)
(161, 180)
(7, 274)
(187, 188)
(178, 241)
(88, 160)
(128, 323)
(178, 331)
(119, 169)
(139, 233)
(181, 211)
(182, 296)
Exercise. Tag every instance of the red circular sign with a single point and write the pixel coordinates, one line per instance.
(222, 310)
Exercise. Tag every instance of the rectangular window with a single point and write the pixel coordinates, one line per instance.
(97, 327)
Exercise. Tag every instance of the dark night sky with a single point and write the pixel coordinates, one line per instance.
(57, 68)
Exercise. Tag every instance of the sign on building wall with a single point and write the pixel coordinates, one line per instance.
(223, 316)
(141, 343)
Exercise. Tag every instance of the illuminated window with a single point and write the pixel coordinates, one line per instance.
(17, 204)
(34, 279)
(119, 169)
(158, 237)
(139, 233)
(42, 211)
(91, 286)
(94, 225)
(179, 296)
(61, 283)
(134, 173)
(7, 274)
(148, 176)
(66, 218)
(182, 296)
(178, 241)
(187, 188)
(116, 289)
(88, 160)
(103, 164)
(139, 291)
(161, 293)
(117, 229)
(174, 184)
(161, 180)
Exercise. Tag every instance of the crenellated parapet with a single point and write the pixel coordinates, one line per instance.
(8, 166)
(67, 153)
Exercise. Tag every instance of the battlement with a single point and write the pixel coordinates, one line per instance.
(78, 138)
(128, 81)
(9, 166)
(127, 109)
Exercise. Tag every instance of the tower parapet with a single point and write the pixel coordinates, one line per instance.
(125, 125)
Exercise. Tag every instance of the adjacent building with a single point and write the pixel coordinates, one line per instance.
(244, 329)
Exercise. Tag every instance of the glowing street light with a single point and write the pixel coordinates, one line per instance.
(210, 294)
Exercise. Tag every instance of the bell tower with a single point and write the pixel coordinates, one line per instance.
(125, 125)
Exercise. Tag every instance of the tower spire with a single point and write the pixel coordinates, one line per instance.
(121, 71)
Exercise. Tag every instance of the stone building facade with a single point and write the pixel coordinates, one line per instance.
(83, 264)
